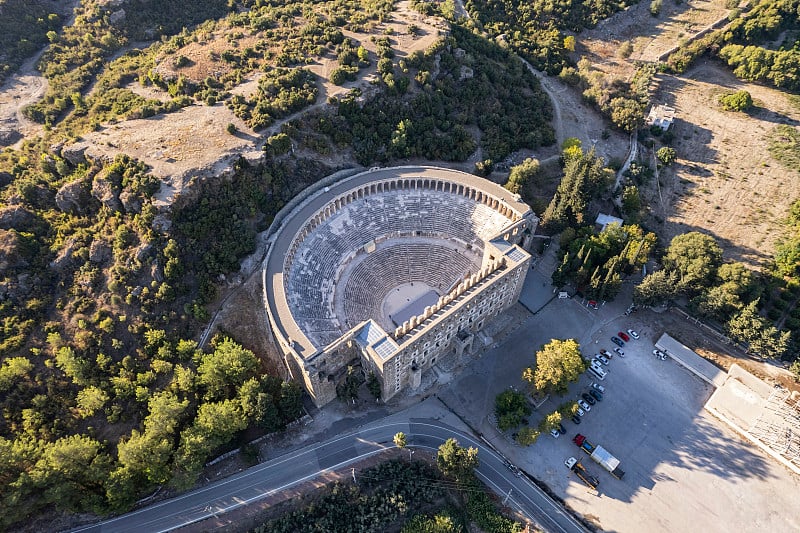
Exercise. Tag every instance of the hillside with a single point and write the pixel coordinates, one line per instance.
(148, 144)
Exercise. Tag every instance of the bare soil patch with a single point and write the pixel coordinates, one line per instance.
(725, 183)
(578, 119)
(243, 318)
(193, 143)
(651, 36)
(203, 57)
(177, 145)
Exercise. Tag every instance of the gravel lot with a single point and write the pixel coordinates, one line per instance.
(684, 470)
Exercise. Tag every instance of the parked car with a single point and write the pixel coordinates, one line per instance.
(596, 363)
(624, 336)
(596, 395)
(592, 304)
(607, 353)
(562, 429)
(555, 433)
(633, 334)
(603, 359)
(588, 399)
(617, 341)
(598, 372)
(580, 411)
(619, 352)
(584, 406)
(576, 419)
(661, 355)
(598, 387)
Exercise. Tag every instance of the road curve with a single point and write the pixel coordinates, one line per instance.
(317, 460)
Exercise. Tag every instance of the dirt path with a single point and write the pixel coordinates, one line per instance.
(25, 87)
(548, 88)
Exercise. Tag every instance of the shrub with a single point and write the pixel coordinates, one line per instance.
(666, 155)
(655, 7)
(527, 436)
(738, 101)
(484, 168)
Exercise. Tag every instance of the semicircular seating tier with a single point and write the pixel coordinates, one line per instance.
(319, 257)
(437, 265)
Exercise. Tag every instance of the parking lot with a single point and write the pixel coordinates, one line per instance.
(684, 470)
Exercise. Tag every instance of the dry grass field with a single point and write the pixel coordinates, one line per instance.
(726, 183)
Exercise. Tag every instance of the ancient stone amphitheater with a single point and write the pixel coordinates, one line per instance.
(394, 269)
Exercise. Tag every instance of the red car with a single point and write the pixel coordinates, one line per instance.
(624, 336)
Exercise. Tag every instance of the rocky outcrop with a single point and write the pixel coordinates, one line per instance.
(99, 252)
(9, 136)
(11, 257)
(130, 202)
(75, 154)
(64, 260)
(76, 197)
(16, 217)
(144, 252)
(106, 192)
(116, 16)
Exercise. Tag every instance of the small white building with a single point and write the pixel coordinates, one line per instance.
(604, 220)
(661, 116)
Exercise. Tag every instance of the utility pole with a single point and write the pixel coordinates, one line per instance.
(507, 495)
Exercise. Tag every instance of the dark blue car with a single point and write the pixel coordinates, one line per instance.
(617, 341)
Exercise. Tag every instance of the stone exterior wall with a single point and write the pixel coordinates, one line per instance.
(440, 334)
(445, 330)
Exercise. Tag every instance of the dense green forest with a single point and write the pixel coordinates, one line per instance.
(25, 26)
(541, 32)
(433, 99)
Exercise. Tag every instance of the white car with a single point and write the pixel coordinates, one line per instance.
(602, 358)
(598, 387)
(619, 352)
(580, 412)
(584, 405)
(633, 334)
(569, 463)
(555, 433)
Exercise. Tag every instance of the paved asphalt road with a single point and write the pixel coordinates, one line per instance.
(307, 463)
